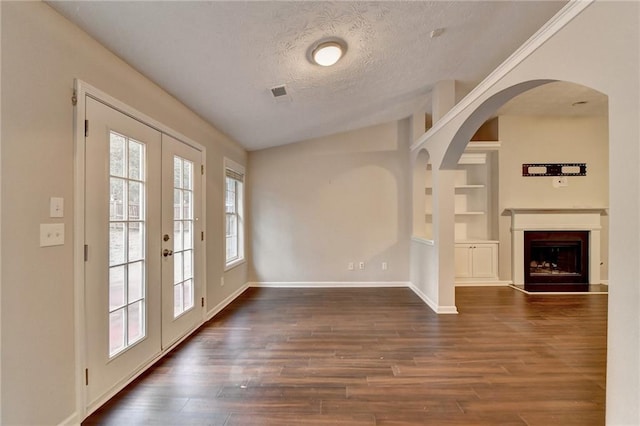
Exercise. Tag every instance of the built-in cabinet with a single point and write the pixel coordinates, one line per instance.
(476, 216)
(476, 260)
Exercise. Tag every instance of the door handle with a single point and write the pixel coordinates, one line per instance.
(167, 252)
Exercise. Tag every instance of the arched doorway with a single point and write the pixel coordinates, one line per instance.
(552, 123)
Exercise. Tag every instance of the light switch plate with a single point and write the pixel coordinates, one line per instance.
(56, 207)
(51, 234)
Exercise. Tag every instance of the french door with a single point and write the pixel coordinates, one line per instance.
(143, 251)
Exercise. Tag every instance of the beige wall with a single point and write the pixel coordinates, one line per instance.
(551, 140)
(608, 31)
(318, 205)
(42, 54)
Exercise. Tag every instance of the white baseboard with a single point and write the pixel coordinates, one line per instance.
(495, 283)
(329, 284)
(430, 303)
(72, 420)
(604, 282)
(223, 304)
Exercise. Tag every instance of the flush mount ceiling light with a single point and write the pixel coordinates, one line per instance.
(328, 52)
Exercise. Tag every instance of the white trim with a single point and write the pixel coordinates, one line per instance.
(556, 293)
(229, 266)
(78, 248)
(548, 30)
(604, 282)
(497, 283)
(434, 306)
(83, 90)
(220, 306)
(72, 420)
(422, 240)
(329, 284)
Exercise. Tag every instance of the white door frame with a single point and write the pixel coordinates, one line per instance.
(82, 90)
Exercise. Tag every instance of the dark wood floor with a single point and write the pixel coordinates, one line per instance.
(380, 357)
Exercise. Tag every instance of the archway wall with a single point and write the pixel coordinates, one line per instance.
(596, 45)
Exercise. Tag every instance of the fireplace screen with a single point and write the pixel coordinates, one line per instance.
(556, 256)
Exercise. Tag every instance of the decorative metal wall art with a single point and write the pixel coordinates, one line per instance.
(554, 169)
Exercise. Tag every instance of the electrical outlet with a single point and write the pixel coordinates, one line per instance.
(222, 281)
(384, 266)
(351, 267)
(361, 266)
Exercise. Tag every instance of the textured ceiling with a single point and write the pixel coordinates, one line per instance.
(559, 98)
(222, 58)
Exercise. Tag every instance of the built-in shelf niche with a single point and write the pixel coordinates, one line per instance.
(474, 193)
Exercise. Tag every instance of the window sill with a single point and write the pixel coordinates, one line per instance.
(229, 266)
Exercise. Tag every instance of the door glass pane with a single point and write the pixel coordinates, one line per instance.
(187, 175)
(188, 234)
(187, 262)
(116, 331)
(117, 155)
(136, 281)
(116, 287)
(136, 241)
(127, 240)
(183, 226)
(117, 198)
(177, 268)
(136, 165)
(136, 322)
(177, 235)
(177, 172)
(186, 205)
(177, 204)
(178, 300)
(117, 239)
(188, 294)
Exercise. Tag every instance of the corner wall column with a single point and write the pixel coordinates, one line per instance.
(444, 229)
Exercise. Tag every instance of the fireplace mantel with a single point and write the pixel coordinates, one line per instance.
(550, 219)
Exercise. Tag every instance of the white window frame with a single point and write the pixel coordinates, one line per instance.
(240, 213)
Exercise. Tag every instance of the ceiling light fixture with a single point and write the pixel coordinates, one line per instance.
(328, 52)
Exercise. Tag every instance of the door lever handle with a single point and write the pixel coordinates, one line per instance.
(167, 252)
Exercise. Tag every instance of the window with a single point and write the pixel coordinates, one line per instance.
(234, 213)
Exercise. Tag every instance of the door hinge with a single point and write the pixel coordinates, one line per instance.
(202, 300)
(86, 377)
(202, 169)
(74, 98)
(86, 128)
(202, 236)
(86, 252)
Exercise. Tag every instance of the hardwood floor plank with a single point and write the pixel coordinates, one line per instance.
(375, 357)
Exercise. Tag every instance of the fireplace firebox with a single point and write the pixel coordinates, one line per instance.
(556, 260)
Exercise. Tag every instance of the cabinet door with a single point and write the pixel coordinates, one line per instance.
(483, 261)
(463, 261)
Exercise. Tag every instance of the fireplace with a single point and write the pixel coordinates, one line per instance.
(553, 223)
(556, 260)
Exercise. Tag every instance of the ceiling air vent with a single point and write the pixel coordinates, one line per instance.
(280, 93)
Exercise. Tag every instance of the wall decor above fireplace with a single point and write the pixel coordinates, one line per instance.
(554, 169)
